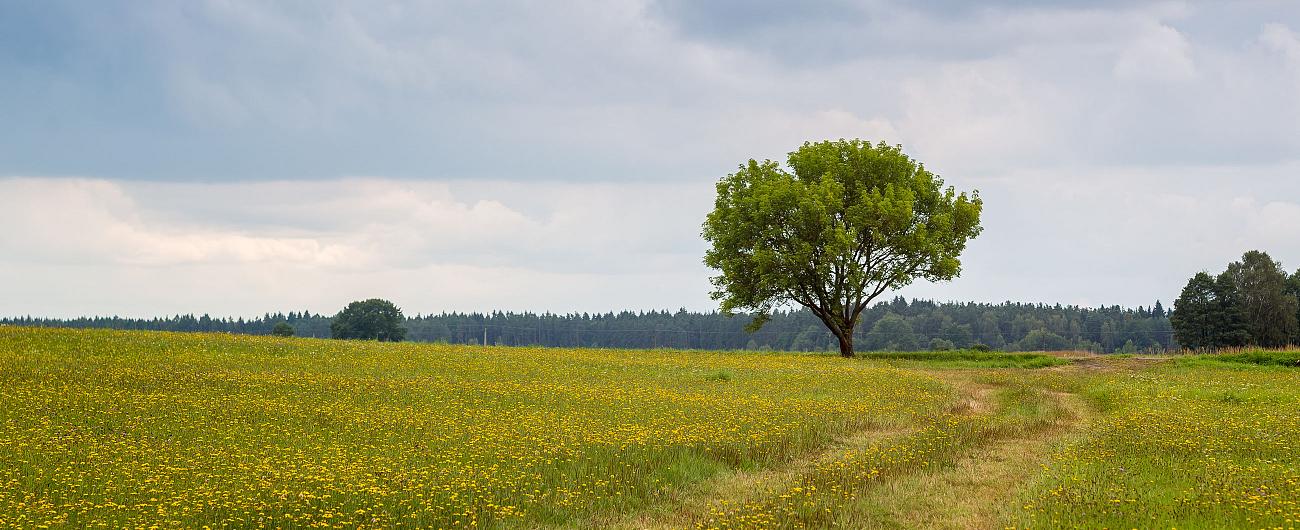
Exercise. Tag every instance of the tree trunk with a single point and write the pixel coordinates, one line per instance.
(846, 343)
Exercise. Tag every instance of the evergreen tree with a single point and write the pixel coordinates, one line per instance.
(1229, 322)
(1195, 313)
(1293, 290)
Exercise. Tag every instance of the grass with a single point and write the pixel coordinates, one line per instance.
(1189, 446)
(114, 429)
(1283, 358)
(132, 428)
(968, 359)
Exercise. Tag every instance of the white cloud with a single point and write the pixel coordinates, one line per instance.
(1161, 53)
(80, 221)
(246, 246)
(1281, 39)
(978, 116)
(1089, 236)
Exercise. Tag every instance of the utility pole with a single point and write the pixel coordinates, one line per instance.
(485, 335)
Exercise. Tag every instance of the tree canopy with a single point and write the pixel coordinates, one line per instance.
(373, 319)
(1270, 310)
(1253, 302)
(282, 329)
(845, 223)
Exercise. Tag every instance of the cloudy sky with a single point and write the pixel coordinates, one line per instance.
(235, 157)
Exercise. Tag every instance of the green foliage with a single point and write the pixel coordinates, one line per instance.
(1293, 290)
(1196, 312)
(1043, 340)
(1230, 326)
(1270, 311)
(720, 375)
(372, 319)
(1252, 302)
(998, 326)
(282, 329)
(847, 222)
(892, 333)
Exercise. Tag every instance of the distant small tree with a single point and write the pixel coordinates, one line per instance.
(372, 319)
(282, 329)
(938, 344)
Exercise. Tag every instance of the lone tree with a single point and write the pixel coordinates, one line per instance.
(372, 319)
(846, 222)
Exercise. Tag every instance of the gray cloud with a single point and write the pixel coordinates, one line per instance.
(367, 144)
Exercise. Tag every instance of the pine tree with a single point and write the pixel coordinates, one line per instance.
(1229, 321)
(1195, 312)
(1293, 290)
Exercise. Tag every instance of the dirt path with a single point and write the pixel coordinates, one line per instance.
(683, 508)
(974, 492)
(979, 488)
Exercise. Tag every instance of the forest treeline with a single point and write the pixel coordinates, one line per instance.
(893, 325)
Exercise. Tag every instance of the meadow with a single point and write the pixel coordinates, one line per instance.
(149, 429)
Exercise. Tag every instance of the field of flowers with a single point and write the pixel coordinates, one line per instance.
(114, 429)
(1191, 445)
(143, 429)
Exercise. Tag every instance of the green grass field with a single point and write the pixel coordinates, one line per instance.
(140, 429)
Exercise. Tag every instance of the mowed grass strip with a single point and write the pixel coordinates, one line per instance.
(967, 359)
(1278, 358)
(110, 429)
